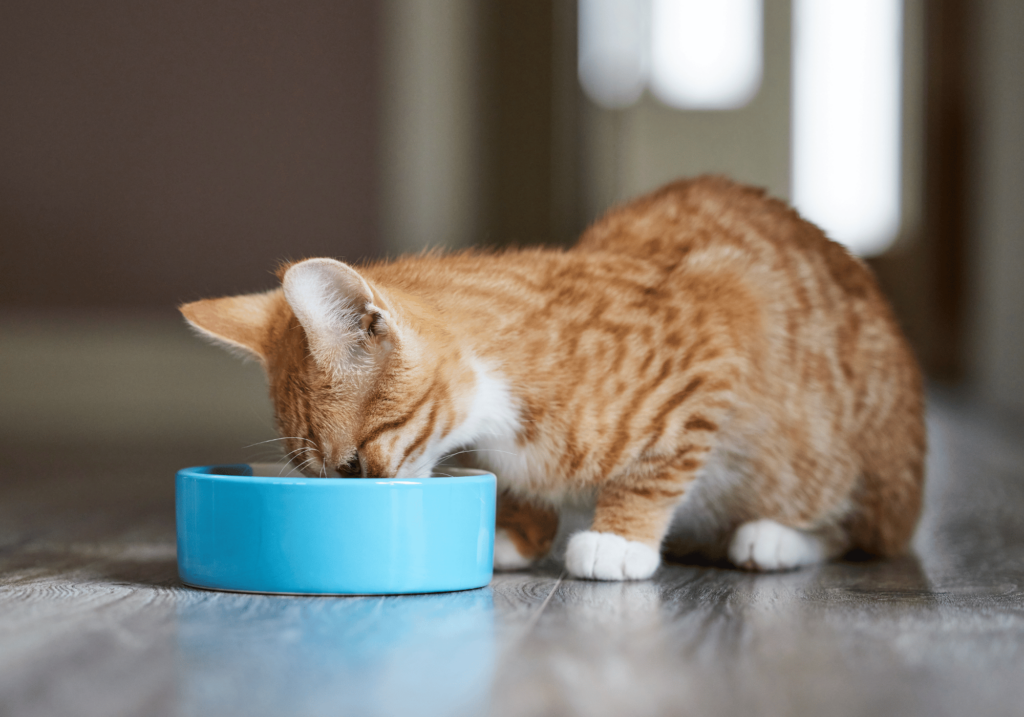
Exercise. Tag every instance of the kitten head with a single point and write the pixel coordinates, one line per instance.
(347, 373)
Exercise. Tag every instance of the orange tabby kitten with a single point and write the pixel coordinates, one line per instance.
(702, 360)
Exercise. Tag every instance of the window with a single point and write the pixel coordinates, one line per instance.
(847, 63)
(693, 54)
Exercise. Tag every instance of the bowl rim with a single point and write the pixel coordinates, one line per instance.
(244, 474)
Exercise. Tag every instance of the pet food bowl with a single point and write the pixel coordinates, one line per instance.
(249, 532)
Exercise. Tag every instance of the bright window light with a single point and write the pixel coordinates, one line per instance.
(706, 54)
(847, 62)
(613, 50)
(694, 54)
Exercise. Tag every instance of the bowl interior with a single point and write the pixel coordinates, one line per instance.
(285, 471)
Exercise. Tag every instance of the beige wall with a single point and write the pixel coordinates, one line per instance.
(154, 152)
(430, 151)
(997, 355)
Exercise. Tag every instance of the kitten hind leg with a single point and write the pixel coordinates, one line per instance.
(769, 546)
(524, 534)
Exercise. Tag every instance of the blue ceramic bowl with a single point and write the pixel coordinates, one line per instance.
(333, 536)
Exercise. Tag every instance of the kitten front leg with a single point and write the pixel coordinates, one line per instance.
(630, 521)
(524, 533)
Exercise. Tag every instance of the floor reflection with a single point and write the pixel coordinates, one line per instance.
(594, 650)
(275, 655)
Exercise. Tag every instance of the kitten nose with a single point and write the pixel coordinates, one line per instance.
(352, 469)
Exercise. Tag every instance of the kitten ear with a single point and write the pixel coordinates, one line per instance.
(238, 323)
(337, 308)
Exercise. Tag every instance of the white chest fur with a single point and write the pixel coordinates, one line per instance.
(490, 433)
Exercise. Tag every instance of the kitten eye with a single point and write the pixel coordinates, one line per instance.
(352, 469)
(373, 324)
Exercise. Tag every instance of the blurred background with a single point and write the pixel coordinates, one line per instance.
(156, 153)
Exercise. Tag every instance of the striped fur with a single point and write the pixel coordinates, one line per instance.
(701, 341)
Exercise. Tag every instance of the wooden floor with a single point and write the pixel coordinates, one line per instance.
(93, 620)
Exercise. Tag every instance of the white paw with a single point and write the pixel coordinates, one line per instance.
(607, 556)
(767, 545)
(506, 554)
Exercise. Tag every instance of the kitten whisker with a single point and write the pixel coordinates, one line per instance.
(474, 450)
(292, 455)
(425, 466)
(289, 465)
(265, 457)
(282, 438)
(300, 467)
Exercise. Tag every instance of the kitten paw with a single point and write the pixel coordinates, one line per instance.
(607, 556)
(766, 545)
(506, 554)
